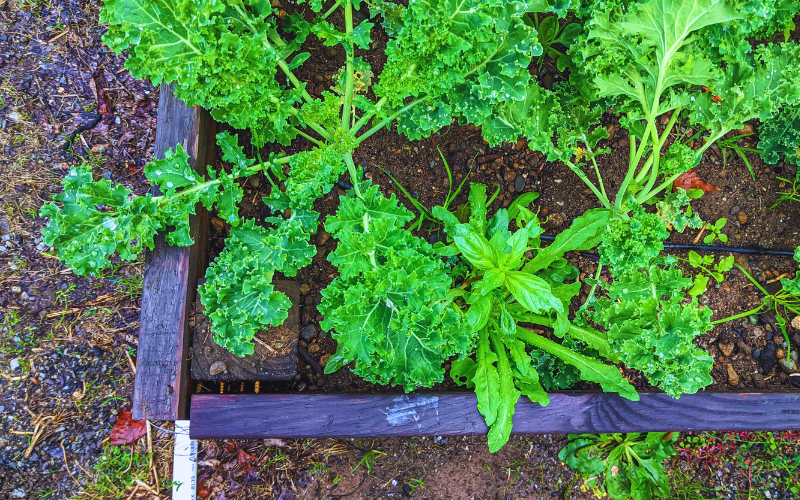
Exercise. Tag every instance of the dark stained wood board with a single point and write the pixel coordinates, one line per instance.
(238, 416)
(275, 351)
(170, 278)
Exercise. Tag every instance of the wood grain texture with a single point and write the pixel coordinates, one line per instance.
(382, 415)
(170, 277)
(275, 352)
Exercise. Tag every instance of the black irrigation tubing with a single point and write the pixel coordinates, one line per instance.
(713, 248)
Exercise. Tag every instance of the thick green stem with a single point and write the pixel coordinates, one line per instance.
(739, 316)
(368, 115)
(389, 119)
(350, 48)
(354, 178)
(303, 134)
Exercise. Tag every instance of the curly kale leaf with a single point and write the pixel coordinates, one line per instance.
(756, 87)
(389, 307)
(674, 209)
(779, 135)
(238, 293)
(645, 53)
(99, 218)
(223, 56)
(464, 58)
(631, 243)
(653, 331)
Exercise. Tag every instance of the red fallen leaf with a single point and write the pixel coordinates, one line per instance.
(203, 491)
(127, 430)
(231, 446)
(690, 180)
(244, 460)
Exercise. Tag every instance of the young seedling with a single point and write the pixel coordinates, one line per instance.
(715, 232)
(708, 269)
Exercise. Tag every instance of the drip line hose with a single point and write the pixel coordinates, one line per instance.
(714, 248)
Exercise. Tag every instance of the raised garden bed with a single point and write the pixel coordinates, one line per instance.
(160, 370)
(547, 271)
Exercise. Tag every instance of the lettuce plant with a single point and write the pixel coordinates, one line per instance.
(508, 287)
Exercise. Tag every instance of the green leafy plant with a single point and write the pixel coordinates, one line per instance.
(238, 59)
(709, 268)
(715, 232)
(622, 466)
(505, 287)
(551, 32)
(390, 307)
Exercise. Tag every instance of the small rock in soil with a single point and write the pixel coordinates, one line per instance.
(758, 380)
(18, 493)
(768, 358)
(16, 289)
(742, 261)
(324, 360)
(794, 379)
(726, 349)
(796, 338)
(308, 332)
(304, 289)
(742, 217)
(757, 353)
(519, 183)
(735, 210)
(786, 367)
(780, 354)
(743, 347)
(796, 322)
(217, 367)
(733, 377)
(313, 348)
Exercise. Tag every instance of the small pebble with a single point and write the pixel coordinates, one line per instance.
(308, 332)
(18, 493)
(14, 364)
(16, 289)
(519, 183)
(796, 322)
(758, 380)
(216, 368)
(742, 217)
(733, 377)
(304, 288)
(726, 349)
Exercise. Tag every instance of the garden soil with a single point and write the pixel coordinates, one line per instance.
(68, 343)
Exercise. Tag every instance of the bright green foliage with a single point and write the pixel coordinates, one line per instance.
(100, 218)
(314, 173)
(238, 294)
(389, 307)
(507, 288)
(630, 244)
(652, 330)
(625, 466)
(224, 56)
(779, 135)
(466, 58)
(708, 269)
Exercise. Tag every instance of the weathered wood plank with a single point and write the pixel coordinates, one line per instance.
(275, 352)
(170, 279)
(375, 415)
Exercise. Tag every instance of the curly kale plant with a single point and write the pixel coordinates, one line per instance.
(390, 307)
(238, 59)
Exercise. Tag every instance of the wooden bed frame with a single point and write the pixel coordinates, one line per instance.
(163, 390)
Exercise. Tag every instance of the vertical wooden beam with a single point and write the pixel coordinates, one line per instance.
(170, 278)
